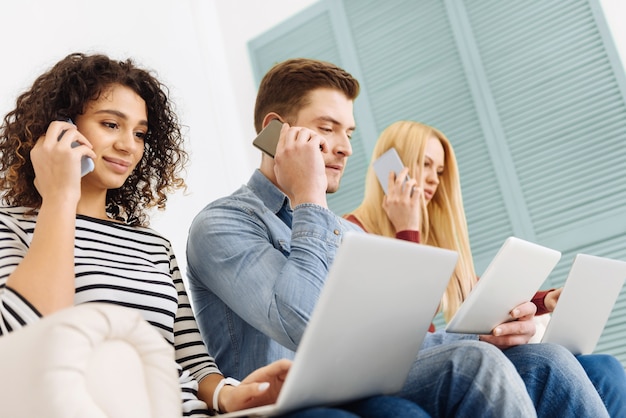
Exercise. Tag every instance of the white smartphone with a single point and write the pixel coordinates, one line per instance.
(267, 140)
(86, 163)
(389, 161)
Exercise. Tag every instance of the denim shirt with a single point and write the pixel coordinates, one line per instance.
(255, 270)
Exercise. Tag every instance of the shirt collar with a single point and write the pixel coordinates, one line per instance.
(272, 196)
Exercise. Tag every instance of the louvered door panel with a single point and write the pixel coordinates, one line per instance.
(530, 93)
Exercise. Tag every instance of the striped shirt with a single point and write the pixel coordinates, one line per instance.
(115, 263)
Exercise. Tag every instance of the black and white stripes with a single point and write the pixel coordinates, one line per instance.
(114, 263)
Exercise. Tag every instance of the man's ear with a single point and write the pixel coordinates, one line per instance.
(269, 117)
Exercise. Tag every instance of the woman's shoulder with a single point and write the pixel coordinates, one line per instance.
(352, 218)
(16, 211)
(26, 217)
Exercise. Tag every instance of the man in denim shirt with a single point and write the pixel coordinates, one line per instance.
(258, 258)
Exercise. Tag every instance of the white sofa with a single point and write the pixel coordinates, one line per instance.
(93, 360)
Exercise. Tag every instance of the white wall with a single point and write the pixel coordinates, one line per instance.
(198, 48)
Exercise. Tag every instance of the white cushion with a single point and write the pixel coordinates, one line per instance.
(92, 360)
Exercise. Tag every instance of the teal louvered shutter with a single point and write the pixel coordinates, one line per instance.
(557, 90)
(312, 34)
(415, 72)
(531, 95)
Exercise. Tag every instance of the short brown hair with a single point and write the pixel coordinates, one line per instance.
(285, 87)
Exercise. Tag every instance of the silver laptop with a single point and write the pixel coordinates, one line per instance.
(371, 318)
(513, 277)
(590, 291)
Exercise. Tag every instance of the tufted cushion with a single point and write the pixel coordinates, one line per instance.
(92, 360)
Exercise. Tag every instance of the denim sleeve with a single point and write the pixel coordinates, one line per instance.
(268, 274)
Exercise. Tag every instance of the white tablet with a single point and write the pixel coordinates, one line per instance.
(592, 287)
(513, 277)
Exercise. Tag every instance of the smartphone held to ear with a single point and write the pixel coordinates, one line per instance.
(86, 163)
(267, 140)
(389, 161)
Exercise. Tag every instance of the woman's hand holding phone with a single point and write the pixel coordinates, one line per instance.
(403, 202)
(52, 158)
(86, 163)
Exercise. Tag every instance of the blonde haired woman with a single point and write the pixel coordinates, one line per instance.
(427, 207)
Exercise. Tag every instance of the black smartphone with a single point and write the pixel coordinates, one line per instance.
(267, 140)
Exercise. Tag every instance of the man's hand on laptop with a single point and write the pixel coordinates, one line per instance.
(261, 387)
(516, 332)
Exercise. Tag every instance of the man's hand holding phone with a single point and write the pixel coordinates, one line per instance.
(299, 165)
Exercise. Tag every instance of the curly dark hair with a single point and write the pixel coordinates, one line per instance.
(63, 93)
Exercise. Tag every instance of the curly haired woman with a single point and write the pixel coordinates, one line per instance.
(68, 239)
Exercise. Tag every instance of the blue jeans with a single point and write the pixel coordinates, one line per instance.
(608, 376)
(467, 378)
(374, 407)
(556, 382)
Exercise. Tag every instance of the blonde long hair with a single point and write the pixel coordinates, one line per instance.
(443, 222)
